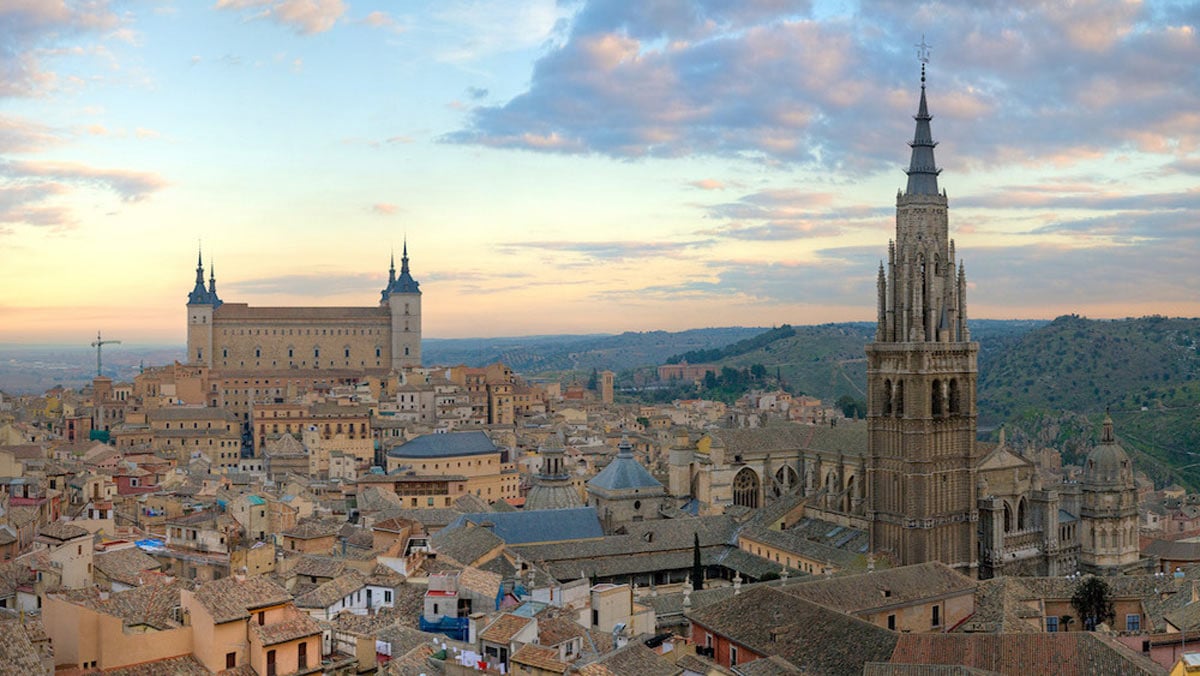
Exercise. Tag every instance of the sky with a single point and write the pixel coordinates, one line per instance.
(586, 166)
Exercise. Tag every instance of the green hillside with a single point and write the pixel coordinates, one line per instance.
(1085, 365)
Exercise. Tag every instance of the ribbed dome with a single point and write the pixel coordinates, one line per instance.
(1108, 463)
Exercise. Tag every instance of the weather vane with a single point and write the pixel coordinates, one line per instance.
(923, 51)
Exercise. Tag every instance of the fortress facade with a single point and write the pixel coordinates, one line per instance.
(236, 337)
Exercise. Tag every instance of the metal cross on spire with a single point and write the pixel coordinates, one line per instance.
(923, 50)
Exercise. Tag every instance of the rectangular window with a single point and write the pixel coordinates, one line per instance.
(1133, 622)
(1052, 624)
(935, 619)
(302, 655)
(892, 622)
(733, 656)
(230, 660)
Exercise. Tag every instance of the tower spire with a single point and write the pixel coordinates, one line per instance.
(392, 268)
(404, 257)
(199, 265)
(922, 169)
(212, 277)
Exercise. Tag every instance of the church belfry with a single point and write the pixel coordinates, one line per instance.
(921, 379)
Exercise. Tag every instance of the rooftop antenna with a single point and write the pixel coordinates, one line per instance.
(99, 344)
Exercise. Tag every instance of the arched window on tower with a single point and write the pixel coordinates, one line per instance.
(1008, 518)
(954, 399)
(1021, 523)
(898, 396)
(887, 397)
(935, 397)
(745, 488)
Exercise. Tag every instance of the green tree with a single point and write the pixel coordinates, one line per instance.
(851, 407)
(758, 371)
(593, 381)
(1093, 602)
(697, 568)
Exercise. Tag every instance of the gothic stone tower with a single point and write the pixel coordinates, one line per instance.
(921, 377)
(403, 298)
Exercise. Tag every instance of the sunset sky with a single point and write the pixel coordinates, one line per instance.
(592, 166)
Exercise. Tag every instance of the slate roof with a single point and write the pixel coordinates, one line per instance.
(625, 473)
(230, 599)
(849, 437)
(1062, 653)
(550, 525)
(445, 445)
(811, 637)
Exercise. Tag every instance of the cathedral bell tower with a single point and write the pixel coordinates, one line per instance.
(921, 379)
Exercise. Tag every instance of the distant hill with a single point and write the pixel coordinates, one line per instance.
(1054, 383)
(540, 355)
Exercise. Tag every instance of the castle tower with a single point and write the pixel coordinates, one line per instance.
(1108, 512)
(403, 297)
(201, 304)
(921, 379)
(606, 386)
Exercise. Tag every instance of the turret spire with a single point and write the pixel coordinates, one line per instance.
(404, 258)
(392, 268)
(199, 265)
(212, 278)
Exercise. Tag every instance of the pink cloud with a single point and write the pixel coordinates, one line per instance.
(306, 17)
(384, 208)
(708, 184)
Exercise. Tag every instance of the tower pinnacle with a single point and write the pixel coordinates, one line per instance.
(922, 169)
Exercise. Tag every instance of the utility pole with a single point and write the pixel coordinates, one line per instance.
(99, 344)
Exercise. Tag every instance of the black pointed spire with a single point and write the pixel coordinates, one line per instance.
(404, 259)
(392, 269)
(922, 169)
(199, 266)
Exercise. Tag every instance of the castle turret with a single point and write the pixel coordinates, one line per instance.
(403, 296)
(201, 304)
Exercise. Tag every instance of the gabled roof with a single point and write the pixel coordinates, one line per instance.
(126, 565)
(884, 588)
(333, 591)
(809, 636)
(62, 531)
(504, 628)
(230, 599)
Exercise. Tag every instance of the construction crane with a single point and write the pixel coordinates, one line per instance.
(99, 344)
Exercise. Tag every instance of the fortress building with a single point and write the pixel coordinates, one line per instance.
(235, 337)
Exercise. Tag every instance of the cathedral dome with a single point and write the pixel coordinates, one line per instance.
(1108, 462)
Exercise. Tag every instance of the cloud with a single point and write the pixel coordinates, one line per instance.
(27, 26)
(384, 208)
(708, 184)
(1030, 82)
(781, 215)
(28, 190)
(19, 135)
(477, 93)
(306, 17)
(383, 20)
(130, 186)
(607, 251)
